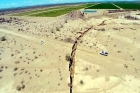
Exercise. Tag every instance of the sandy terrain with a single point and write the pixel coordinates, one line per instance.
(26, 66)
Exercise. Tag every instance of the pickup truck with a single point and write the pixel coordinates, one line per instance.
(104, 53)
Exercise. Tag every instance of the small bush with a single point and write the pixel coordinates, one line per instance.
(52, 31)
(66, 21)
(23, 86)
(86, 68)
(67, 57)
(57, 29)
(15, 74)
(126, 66)
(81, 82)
(22, 82)
(61, 26)
(69, 40)
(15, 68)
(12, 54)
(3, 38)
(18, 88)
(1, 70)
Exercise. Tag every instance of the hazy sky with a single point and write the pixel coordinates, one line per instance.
(17, 3)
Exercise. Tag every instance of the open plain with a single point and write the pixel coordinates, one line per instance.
(29, 66)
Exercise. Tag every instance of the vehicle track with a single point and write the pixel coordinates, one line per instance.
(37, 40)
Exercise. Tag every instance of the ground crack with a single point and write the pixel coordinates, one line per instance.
(72, 58)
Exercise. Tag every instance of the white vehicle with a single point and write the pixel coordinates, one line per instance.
(103, 53)
(41, 42)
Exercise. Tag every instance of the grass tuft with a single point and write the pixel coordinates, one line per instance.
(81, 82)
(3, 38)
(67, 57)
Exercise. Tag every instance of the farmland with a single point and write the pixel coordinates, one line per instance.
(103, 6)
(37, 11)
(52, 12)
(58, 12)
(128, 5)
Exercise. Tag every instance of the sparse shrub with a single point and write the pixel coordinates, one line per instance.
(36, 57)
(6, 67)
(133, 59)
(57, 29)
(22, 82)
(20, 73)
(97, 70)
(66, 21)
(15, 68)
(12, 54)
(115, 29)
(86, 68)
(69, 40)
(67, 57)
(23, 86)
(3, 38)
(1, 70)
(52, 31)
(81, 82)
(16, 62)
(81, 41)
(34, 52)
(56, 37)
(61, 26)
(15, 74)
(2, 67)
(26, 71)
(131, 17)
(119, 51)
(59, 71)
(125, 66)
(18, 88)
(41, 70)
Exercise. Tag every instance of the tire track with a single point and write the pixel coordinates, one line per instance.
(72, 58)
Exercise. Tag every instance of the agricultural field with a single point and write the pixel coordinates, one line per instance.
(128, 5)
(57, 12)
(103, 6)
(37, 11)
(52, 12)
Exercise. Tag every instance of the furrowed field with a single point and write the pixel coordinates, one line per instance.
(52, 12)
(103, 6)
(58, 12)
(128, 5)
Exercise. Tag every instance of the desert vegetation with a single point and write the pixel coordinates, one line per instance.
(3, 38)
(131, 17)
(48, 67)
(67, 57)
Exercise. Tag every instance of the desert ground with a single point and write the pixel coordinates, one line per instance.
(29, 66)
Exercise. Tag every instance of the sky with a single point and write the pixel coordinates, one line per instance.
(21, 3)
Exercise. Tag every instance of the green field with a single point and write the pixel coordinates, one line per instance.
(38, 11)
(58, 12)
(103, 6)
(51, 12)
(128, 5)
